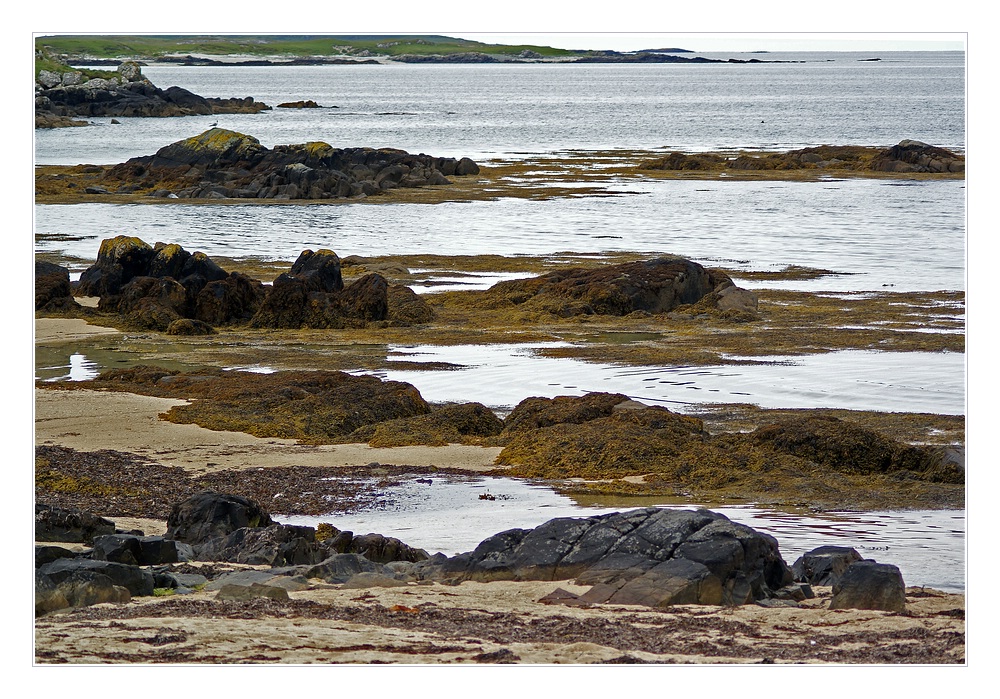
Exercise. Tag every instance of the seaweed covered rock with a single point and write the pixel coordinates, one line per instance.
(915, 156)
(119, 260)
(598, 435)
(318, 407)
(652, 557)
(298, 301)
(405, 307)
(653, 286)
(219, 163)
(458, 423)
(52, 288)
(850, 448)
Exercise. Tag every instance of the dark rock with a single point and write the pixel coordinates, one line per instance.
(341, 567)
(48, 596)
(914, 156)
(870, 585)
(208, 515)
(274, 545)
(652, 557)
(653, 286)
(130, 95)
(47, 554)
(824, 565)
(119, 260)
(57, 524)
(52, 285)
(225, 164)
(234, 299)
(319, 271)
(299, 104)
(138, 581)
(118, 548)
(384, 549)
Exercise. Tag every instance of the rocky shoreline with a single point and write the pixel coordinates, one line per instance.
(616, 574)
(66, 98)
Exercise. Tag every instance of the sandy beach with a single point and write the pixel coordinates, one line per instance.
(418, 623)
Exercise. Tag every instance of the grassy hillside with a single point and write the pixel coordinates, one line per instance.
(148, 46)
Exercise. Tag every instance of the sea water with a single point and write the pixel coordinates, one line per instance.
(875, 235)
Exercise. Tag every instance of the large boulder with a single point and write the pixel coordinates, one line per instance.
(653, 557)
(653, 286)
(119, 260)
(870, 585)
(207, 515)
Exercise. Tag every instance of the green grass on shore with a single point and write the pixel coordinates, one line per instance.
(149, 46)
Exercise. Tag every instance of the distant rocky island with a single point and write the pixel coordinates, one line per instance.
(62, 97)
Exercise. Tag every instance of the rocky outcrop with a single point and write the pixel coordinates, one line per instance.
(52, 288)
(914, 156)
(58, 524)
(169, 289)
(907, 156)
(299, 104)
(61, 96)
(651, 557)
(221, 164)
(848, 447)
(651, 286)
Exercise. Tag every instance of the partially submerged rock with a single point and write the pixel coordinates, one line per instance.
(61, 96)
(220, 164)
(653, 286)
(908, 156)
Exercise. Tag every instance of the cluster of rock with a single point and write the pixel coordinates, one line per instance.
(164, 287)
(907, 156)
(223, 164)
(660, 285)
(915, 156)
(649, 557)
(61, 96)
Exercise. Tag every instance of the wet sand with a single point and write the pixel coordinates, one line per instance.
(416, 624)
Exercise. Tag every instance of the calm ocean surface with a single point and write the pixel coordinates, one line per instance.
(882, 235)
